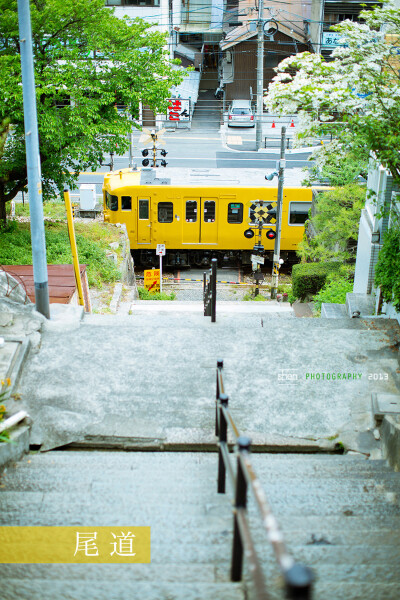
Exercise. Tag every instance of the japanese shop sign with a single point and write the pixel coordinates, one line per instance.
(178, 110)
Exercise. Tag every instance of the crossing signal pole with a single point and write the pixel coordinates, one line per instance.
(154, 138)
(281, 173)
(260, 74)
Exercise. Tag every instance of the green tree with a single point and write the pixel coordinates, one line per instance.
(356, 96)
(86, 60)
(334, 225)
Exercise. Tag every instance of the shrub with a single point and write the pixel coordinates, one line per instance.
(334, 291)
(144, 294)
(387, 272)
(309, 278)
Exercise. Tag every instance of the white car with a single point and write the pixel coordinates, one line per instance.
(240, 114)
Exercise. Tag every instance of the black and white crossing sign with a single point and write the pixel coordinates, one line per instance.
(262, 212)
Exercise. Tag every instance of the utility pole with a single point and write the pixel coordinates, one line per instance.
(260, 74)
(39, 259)
(277, 248)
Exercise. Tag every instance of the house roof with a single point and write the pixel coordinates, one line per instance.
(291, 20)
(246, 32)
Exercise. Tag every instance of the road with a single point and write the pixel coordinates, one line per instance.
(208, 148)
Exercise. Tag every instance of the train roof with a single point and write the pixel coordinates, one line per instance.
(184, 177)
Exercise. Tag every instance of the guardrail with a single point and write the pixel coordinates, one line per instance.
(210, 291)
(298, 578)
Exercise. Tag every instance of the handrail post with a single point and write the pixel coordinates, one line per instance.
(213, 289)
(223, 438)
(243, 444)
(298, 582)
(220, 364)
(205, 292)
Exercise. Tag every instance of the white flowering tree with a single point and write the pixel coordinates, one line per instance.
(355, 97)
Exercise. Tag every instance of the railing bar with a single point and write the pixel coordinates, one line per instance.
(227, 461)
(221, 389)
(251, 555)
(229, 418)
(270, 524)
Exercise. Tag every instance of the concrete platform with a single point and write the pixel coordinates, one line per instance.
(148, 380)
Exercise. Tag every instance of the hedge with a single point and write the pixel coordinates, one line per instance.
(309, 278)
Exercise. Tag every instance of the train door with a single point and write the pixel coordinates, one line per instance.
(209, 223)
(143, 222)
(191, 227)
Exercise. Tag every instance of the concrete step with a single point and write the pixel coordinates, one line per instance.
(43, 589)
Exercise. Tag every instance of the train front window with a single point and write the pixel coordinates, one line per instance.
(191, 211)
(165, 212)
(111, 201)
(235, 212)
(144, 209)
(126, 203)
(298, 212)
(209, 211)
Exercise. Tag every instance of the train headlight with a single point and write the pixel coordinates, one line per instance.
(249, 233)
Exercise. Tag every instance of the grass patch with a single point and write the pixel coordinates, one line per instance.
(146, 295)
(249, 297)
(92, 241)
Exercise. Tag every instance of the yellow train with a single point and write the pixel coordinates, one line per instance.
(197, 222)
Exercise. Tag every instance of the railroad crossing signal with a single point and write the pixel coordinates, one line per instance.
(262, 213)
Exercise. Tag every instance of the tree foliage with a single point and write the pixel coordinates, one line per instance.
(334, 225)
(356, 96)
(85, 55)
(387, 271)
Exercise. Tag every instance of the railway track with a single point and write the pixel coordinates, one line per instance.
(233, 283)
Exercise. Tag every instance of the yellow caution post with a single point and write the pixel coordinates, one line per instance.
(74, 250)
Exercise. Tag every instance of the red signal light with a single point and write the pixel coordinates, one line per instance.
(271, 235)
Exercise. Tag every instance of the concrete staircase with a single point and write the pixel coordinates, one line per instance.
(340, 515)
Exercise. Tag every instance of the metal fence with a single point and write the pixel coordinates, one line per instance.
(297, 577)
(210, 291)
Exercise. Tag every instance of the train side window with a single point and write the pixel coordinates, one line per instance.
(111, 201)
(126, 203)
(165, 212)
(209, 211)
(191, 211)
(144, 209)
(235, 212)
(298, 212)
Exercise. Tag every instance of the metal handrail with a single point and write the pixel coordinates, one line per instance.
(210, 291)
(298, 578)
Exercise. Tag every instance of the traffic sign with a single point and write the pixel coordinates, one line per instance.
(262, 212)
(160, 250)
(152, 280)
(257, 259)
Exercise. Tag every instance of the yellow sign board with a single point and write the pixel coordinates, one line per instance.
(76, 544)
(152, 280)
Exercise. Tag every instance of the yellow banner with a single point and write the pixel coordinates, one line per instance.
(152, 280)
(75, 544)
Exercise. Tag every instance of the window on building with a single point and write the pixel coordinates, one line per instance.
(298, 212)
(143, 209)
(111, 201)
(165, 212)
(191, 211)
(209, 211)
(126, 203)
(235, 212)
